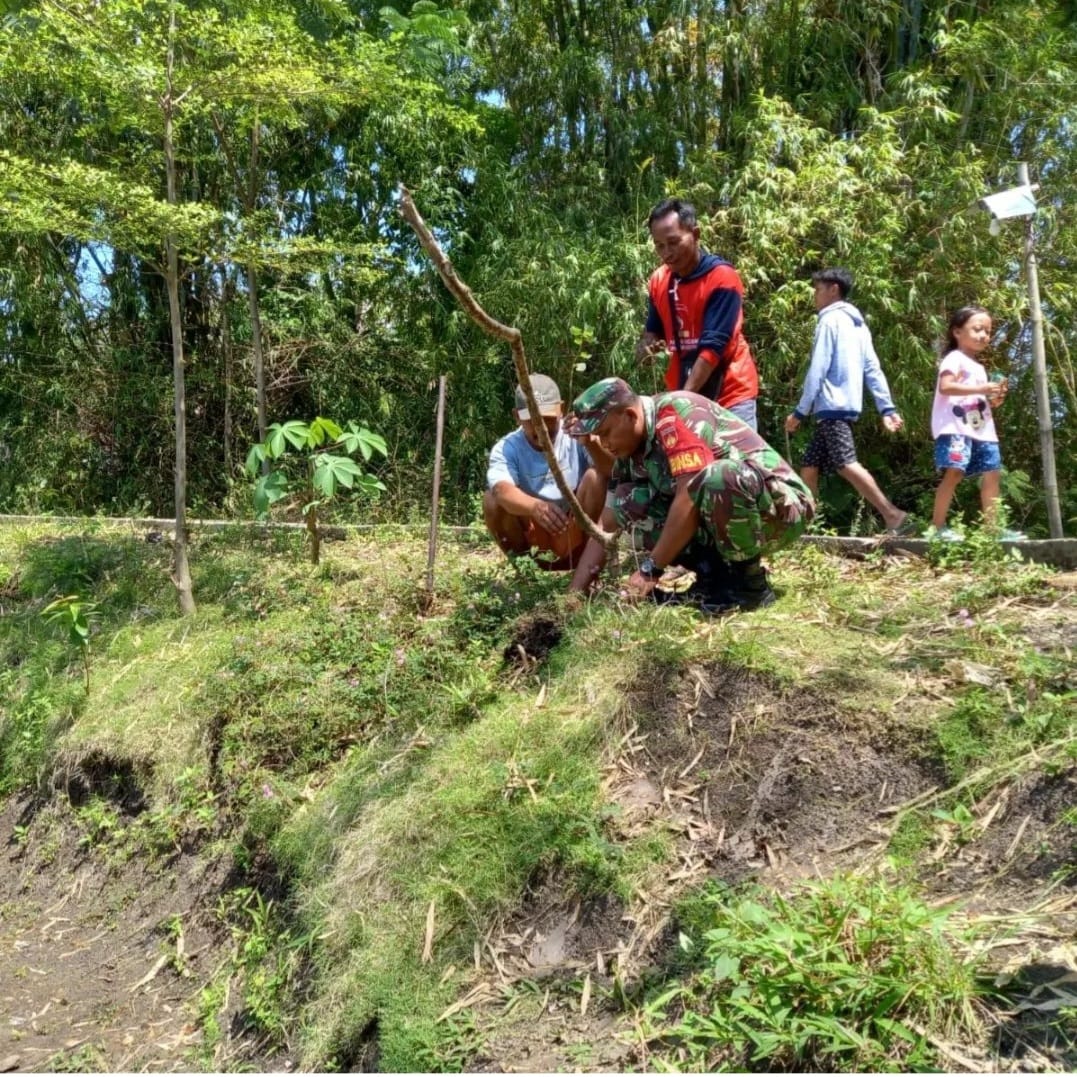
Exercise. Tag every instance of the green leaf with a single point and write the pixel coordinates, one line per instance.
(280, 435)
(269, 489)
(255, 458)
(331, 471)
(367, 484)
(297, 433)
(359, 438)
(725, 968)
(754, 913)
(896, 1028)
(324, 430)
(60, 606)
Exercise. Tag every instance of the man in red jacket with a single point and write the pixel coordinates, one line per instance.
(695, 313)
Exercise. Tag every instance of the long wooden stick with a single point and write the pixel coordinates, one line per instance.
(512, 335)
(435, 497)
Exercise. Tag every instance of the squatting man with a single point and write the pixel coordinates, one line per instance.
(522, 506)
(695, 486)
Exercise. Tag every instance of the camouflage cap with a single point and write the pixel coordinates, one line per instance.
(595, 403)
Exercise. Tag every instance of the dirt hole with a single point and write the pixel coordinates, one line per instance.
(97, 774)
(532, 640)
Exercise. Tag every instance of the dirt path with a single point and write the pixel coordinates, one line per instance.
(99, 960)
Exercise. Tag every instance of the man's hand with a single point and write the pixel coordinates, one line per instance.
(593, 444)
(639, 586)
(893, 422)
(649, 348)
(550, 516)
(792, 424)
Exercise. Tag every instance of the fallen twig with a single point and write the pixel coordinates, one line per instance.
(949, 1051)
(158, 965)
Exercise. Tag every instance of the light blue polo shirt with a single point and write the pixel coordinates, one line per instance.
(513, 460)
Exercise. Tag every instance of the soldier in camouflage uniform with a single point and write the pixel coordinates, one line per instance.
(696, 486)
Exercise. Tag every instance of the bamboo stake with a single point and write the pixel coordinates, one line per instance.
(1039, 374)
(512, 335)
(435, 498)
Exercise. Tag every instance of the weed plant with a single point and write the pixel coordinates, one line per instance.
(848, 974)
(993, 569)
(989, 724)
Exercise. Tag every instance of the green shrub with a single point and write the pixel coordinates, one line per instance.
(848, 974)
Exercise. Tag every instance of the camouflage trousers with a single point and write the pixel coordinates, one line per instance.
(744, 512)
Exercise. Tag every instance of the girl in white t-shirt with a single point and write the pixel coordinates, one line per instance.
(961, 421)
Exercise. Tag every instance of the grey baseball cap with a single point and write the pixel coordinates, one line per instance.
(547, 396)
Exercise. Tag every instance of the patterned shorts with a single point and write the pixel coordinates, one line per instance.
(743, 511)
(966, 454)
(831, 447)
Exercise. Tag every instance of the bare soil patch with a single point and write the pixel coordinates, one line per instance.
(534, 636)
(99, 956)
(1023, 847)
(785, 781)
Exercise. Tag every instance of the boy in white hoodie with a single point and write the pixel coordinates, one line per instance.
(842, 358)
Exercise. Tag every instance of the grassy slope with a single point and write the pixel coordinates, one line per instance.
(393, 786)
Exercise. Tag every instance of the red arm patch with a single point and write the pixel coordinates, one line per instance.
(686, 451)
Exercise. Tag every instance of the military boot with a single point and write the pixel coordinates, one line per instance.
(749, 586)
(713, 578)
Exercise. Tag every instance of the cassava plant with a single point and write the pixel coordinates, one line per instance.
(327, 452)
(75, 613)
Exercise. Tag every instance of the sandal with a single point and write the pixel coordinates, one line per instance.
(906, 527)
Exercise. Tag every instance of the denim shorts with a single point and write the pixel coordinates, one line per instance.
(966, 454)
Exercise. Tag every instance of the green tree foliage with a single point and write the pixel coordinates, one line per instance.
(535, 136)
(272, 127)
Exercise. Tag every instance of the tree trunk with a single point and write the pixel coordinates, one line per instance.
(252, 294)
(227, 358)
(181, 570)
(257, 352)
(311, 518)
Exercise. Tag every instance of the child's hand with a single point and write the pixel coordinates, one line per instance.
(893, 422)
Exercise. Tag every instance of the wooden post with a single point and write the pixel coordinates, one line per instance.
(1039, 374)
(435, 497)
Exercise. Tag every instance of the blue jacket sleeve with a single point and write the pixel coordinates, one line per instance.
(876, 379)
(720, 316)
(822, 350)
(654, 321)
